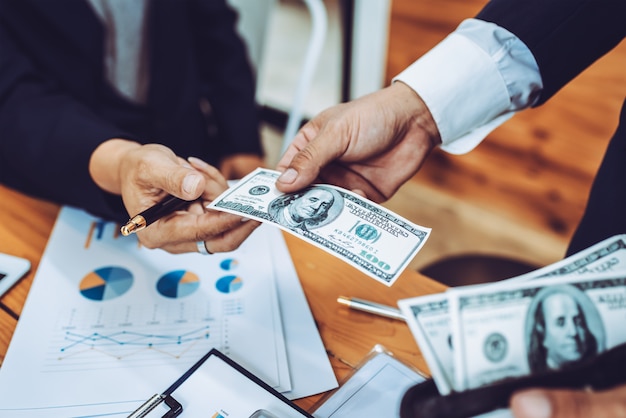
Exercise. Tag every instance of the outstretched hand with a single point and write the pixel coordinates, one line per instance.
(145, 174)
(371, 145)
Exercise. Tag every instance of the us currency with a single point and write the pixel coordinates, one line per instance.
(429, 322)
(363, 234)
(429, 319)
(534, 326)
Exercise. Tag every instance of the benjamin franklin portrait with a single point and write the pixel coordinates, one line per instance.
(563, 327)
(308, 209)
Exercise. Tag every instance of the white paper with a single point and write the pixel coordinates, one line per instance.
(97, 329)
(309, 367)
(374, 390)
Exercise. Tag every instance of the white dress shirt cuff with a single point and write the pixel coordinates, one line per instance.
(473, 81)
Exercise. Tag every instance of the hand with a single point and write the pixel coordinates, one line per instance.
(538, 403)
(144, 174)
(235, 167)
(371, 145)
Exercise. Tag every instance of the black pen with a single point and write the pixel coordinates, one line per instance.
(165, 207)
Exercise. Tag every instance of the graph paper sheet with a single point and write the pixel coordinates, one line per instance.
(106, 320)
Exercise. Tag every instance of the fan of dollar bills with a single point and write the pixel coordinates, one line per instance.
(544, 320)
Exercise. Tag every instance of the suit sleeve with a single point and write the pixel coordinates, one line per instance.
(565, 36)
(47, 137)
(227, 73)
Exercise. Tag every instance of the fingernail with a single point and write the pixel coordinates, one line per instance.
(289, 176)
(190, 183)
(245, 219)
(197, 161)
(534, 404)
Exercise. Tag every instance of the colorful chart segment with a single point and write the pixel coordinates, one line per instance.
(229, 264)
(106, 283)
(229, 284)
(178, 284)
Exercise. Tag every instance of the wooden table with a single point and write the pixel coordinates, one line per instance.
(26, 223)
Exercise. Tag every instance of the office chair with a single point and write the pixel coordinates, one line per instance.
(254, 16)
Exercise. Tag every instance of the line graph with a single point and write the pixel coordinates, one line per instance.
(136, 347)
(139, 335)
(130, 339)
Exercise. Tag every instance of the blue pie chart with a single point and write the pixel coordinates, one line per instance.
(229, 284)
(229, 264)
(178, 284)
(106, 283)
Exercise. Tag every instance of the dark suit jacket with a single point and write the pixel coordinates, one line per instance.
(56, 108)
(565, 37)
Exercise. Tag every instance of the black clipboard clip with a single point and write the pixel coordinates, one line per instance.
(176, 408)
(601, 372)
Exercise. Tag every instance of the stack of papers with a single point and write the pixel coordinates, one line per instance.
(108, 323)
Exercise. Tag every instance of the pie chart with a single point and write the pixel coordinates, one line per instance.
(178, 284)
(229, 284)
(229, 264)
(106, 283)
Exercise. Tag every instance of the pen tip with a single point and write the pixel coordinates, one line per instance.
(133, 225)
(128, 229)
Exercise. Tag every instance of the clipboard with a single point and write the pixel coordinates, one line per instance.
(218, 387)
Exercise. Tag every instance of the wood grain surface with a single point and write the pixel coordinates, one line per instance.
(348, 336)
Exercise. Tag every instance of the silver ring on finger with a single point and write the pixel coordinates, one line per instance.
(202, 249)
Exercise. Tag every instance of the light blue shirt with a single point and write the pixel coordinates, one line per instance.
(473, 81)
(125, 49)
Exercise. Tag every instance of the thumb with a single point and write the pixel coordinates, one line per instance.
(192, 185)
(180, 181)
(304, 159)
(536, 403)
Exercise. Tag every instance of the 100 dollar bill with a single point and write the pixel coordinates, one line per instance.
(535, 326)
(428, 316)
(429, 321)
(369, 237)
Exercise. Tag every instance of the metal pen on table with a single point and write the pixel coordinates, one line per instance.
(371, 307)
(165, 207)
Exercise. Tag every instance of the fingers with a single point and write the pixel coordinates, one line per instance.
(300, 164)
(379, 140)
(569, 404)
(215, 183)
(150, 172)
(153, 170)
(231, 239)
(180, 181)
(223, 242)
(180, 232)
(310, 150)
